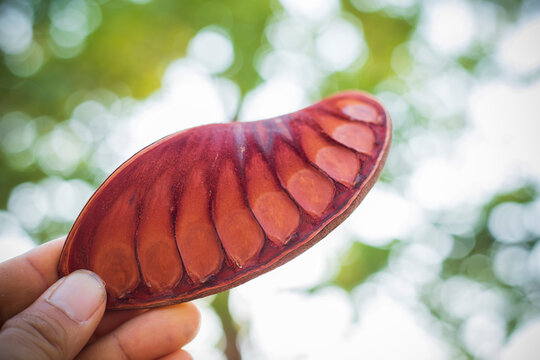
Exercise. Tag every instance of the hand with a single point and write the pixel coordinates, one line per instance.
(42, 317)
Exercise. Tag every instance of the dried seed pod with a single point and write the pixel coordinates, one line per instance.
(209, 208)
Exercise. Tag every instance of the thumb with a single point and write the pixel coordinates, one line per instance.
(59, 323)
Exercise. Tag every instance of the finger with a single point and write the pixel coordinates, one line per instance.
(59, 323)
(24, 278)
(155, 333)
(113, 319)
(177, 355)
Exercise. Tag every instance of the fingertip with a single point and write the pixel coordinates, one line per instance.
(60, 322)
(152, 334)
(177, 355)
(188, 316)
(192, 311)
(80, 295)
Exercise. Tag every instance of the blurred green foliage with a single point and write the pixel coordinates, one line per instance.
(130, 50)
(358, 263)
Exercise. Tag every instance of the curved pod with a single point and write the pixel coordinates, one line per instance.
(208, 208)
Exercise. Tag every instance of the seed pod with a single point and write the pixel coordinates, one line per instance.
(209, 208)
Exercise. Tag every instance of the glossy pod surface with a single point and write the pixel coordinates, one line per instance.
(208, 208)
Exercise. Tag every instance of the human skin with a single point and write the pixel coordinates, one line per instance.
(44, 317)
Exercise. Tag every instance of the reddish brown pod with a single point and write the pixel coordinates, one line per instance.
(209, 208)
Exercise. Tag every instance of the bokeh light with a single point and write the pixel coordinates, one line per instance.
(16, 30)
(212, 48)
